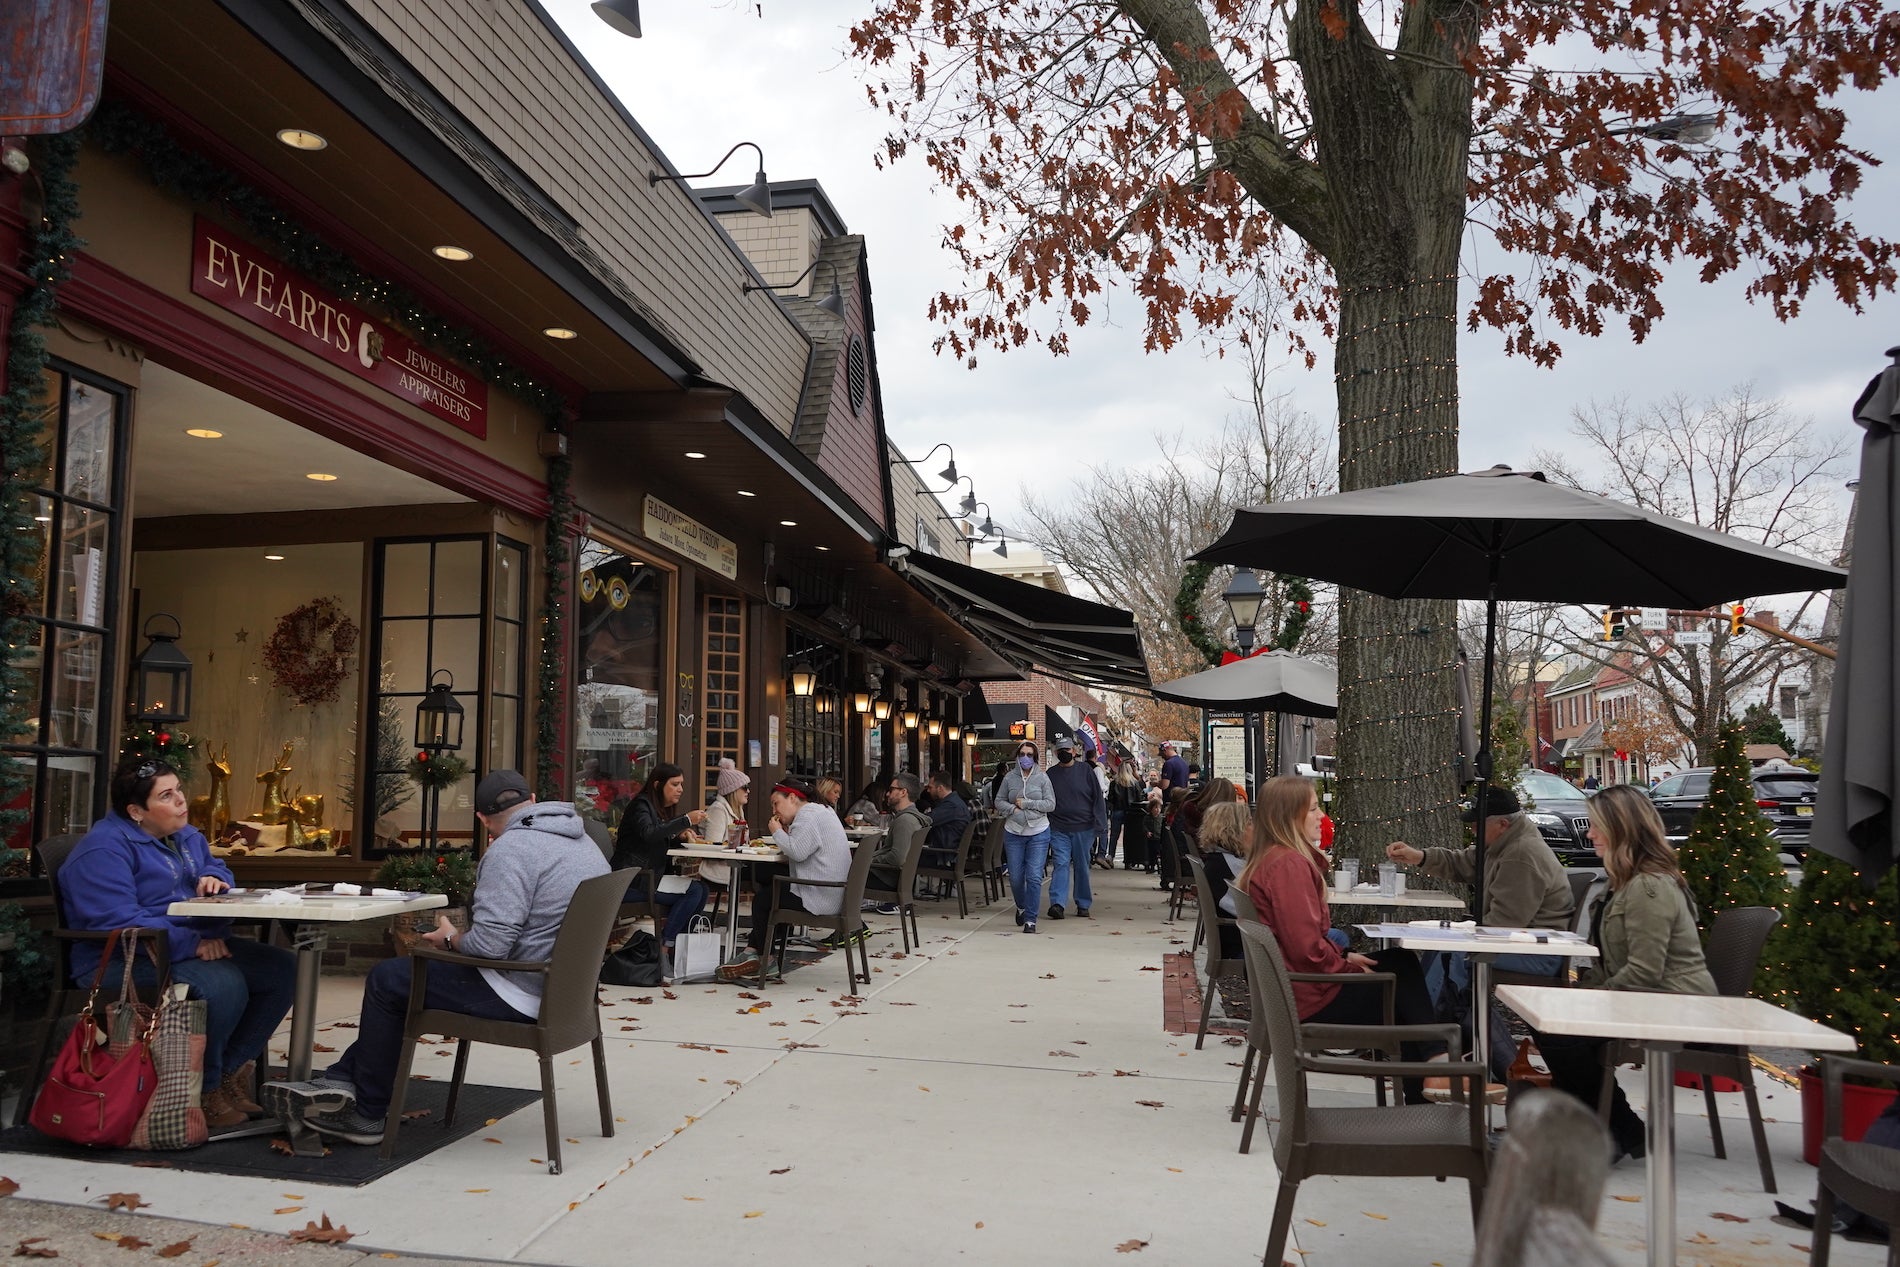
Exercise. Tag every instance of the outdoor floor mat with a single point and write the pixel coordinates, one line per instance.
(348, 1165)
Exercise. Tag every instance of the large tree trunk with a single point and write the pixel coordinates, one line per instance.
(1393, 136)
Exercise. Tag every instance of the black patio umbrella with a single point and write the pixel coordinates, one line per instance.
(1512, 535)
(1272, 682)
(1860, 769)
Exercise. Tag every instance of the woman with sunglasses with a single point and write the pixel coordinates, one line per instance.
(124, 873)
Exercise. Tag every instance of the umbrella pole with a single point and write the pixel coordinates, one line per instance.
(1484, 728)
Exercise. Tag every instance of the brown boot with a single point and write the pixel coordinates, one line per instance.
(220, 1113)
(237, 1085)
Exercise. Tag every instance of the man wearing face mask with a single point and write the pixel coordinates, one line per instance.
(1072, 831)
(1026, 798)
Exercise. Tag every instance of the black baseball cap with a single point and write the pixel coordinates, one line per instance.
(502, 789)
(1497, 801)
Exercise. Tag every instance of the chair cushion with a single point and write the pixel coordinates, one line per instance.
(1433, 1139)
(1867, 1176)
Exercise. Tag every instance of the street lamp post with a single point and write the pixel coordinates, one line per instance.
(1243, 597)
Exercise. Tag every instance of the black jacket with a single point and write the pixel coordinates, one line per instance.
(643, 839)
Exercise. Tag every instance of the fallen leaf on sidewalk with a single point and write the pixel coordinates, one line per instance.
(747, 994)
(123, 1201)
(1369, 1214)
(8, 1187)
(490, 1139)
(922, 1087)
(176, 1248)
(132, 1242)
(783, 1170)
(107, 1236)
(326, 1233)
(692, 1198)
(1151, 1104)
(1131, 1246)
(645, 1000)
(1728, 1218)
(1128, 1073)
(696, 1046)
(292, 1196)
(1019, 1005)
(342, 1025)
(475, 1190)
(1316, 1223)
(668, 994)
(1148, 967)
(1071, 1055)
(755, 1214)
(1047, 976)
(321, 1047)
(31, 1248)
(1700, 1238)
(1631, 1200)
(289, 1209)
(778, 1024)
(410, 1115)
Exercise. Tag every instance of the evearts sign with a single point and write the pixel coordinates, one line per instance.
(239, 278)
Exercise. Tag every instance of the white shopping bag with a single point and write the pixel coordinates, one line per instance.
(696, 952)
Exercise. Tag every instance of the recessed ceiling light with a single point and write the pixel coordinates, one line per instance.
(826, 549)
(788, 523)
(320, 477)
(274, 558)
(204, 433)
(301, 139)
(560, 332)
(744, 493)
(695, 455)
(455, 253)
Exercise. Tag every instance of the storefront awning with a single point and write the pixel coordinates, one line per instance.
(1057, 732)
(1060, 634)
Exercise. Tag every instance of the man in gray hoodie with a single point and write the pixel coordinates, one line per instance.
(537, 856)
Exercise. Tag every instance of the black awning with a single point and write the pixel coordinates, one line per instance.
(1060, 634)
(1056, 733)
(976, 712)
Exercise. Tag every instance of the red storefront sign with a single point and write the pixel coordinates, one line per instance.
(239, 278)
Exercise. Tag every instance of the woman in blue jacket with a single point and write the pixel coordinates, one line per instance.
(134, 863)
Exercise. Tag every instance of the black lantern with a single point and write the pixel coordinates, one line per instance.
(804, 679)
(1244, 595)
(860, 701)
(439, 716)
(881, 708)
(934, 723)
(162, 686)
(822, 703)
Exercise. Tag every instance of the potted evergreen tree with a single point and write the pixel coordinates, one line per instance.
(1835, 958)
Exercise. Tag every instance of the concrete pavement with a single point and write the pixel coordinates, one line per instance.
(992, 1095)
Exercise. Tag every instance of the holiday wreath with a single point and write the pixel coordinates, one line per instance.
(308, 654)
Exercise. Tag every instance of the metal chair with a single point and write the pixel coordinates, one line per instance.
(848, 921)
(995, 861)
(569, 1017)
(1436, 1140)
(957, 872)
(1253, 1066)
(1735, 943)
(1177, 845)
(905, 894)
(1866, 1176)
(1552, 1164)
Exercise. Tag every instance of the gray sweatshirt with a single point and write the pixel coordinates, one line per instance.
(1038, 799)
(527, 878)
(816, 848)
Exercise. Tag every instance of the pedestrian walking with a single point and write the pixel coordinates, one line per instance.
(1072, 832)
(1026, 798)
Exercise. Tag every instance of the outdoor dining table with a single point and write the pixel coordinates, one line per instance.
(1425, 899)
(308, 918)
(738, 859)
(1663, 1023)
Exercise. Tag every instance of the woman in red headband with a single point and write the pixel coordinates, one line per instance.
(812, 839)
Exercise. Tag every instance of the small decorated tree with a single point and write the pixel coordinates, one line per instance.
(1730, 858)
(1835, 956)
(146, 740)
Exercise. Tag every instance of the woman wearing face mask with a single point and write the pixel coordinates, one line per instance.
(1026, 797)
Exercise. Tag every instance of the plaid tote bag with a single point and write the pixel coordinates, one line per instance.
(175, 1116)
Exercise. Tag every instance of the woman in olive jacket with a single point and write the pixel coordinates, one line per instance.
(1646, 929)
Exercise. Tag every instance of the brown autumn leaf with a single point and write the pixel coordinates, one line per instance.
(1151, 1104)
(8, 1186)
(668, 994)
(176, 1248)
(645, 1000)
(490, 1139)
(1728, 1218)
(1631, 1200)
(475, 1190)
(326, 1233)
(31, 1248)
(132, 1242)
(1369, 1214)
(410, 1115)
(321, 1047)
(1128, 1073)
(289, 1209)
(779, 1024)
(783, 1170)
(279, 1144)
(341, 1025)
(896, 1003)
(123, 1201)
(747, 994)
(1131, 1246)
(695, 1046)
(1700, 1238)
(1087, 1073)
(1148, 967)
(1050, 976)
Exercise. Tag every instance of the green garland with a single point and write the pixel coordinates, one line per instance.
(1187, 612)
(1298, 595)
(119, 129)
(51, 245)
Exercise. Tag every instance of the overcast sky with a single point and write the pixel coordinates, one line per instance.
(710, 73)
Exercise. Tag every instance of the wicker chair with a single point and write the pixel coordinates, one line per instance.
(1435, 1140)
(848, 920)
(957, 872)
(905, 894)
(1554, 1161)
(1866, 1176)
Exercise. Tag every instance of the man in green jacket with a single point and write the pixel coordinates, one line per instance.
(1524, 887)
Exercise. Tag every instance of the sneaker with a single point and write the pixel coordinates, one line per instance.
(300, 1099)
(1055, 912)
(867, 905)
(887, 908)
(739, 967)
(348, 1124)
(1021, 918)
(1081, 912)
(1029, 927)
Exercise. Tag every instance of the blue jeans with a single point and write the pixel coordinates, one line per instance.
(680, 907)
(246, 997)
(370, 1062)
(1072, 858)
(1448, 980)
(1026, 854)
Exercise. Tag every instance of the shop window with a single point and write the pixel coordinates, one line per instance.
(508, 654)
(622, 636)
(814, 724)
(722, 682)
(430, 596)
(65, 645)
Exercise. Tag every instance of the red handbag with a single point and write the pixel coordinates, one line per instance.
(94, 1094)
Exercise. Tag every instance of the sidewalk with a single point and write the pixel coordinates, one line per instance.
(985, 1100)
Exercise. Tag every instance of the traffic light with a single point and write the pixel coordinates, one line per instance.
(1735, 615)
(1615, 621)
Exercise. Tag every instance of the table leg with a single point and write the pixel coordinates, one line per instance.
(1481, 1026)
(309, 941)
(1662, 1153)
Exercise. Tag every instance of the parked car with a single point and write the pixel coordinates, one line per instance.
(1561, 814)
(1784, 793)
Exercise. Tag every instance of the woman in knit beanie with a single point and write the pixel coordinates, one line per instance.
(725, 817)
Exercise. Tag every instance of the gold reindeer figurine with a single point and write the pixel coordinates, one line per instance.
(276, 810)
(303, 823)
(211, 813)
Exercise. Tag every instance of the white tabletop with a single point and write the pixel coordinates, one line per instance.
(1685, 1018)
(1466, 940)
(864, 832)
(1411, 897)
(329, 908)
(719, 853)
